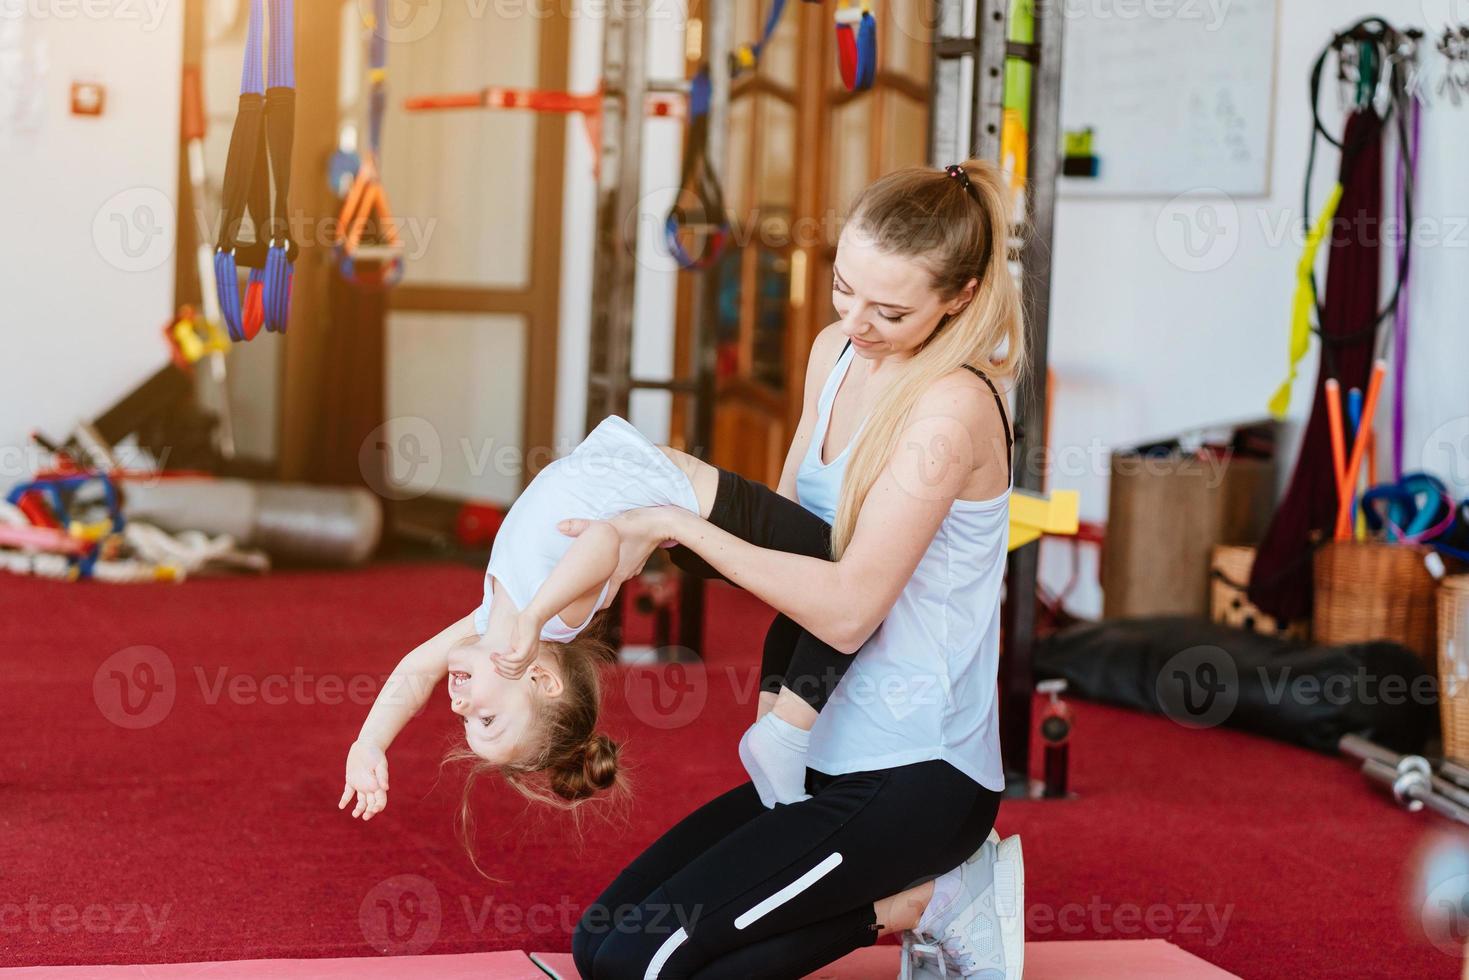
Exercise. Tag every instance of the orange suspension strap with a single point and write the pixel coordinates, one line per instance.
(588, 106)
(368, 250)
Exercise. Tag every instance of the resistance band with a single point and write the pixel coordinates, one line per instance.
(192, 337)
(1304, 302)
(259, 160)
(699, 180)
(1418, 509)
(1414, 510)
(745, 57)
(856, 44)
(1406, 171)
(367, 199)
(588, 106)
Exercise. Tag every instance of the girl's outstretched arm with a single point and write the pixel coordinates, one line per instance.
(402, 695)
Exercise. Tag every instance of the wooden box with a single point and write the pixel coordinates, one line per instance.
(1165, 516)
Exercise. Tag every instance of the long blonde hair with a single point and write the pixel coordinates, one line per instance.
(926, 215)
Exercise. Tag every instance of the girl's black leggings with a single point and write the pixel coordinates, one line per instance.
(752, 511)
(738, 890)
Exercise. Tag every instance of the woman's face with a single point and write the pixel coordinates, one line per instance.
(498, 712)
(884, 300)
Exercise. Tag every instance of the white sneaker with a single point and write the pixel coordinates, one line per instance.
(984, 935)
(921, 960)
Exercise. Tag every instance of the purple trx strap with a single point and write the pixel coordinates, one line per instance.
(260, 161)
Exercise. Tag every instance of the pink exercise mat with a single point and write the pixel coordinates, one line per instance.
(507, 965)
(1122, 959)
(1139, 959)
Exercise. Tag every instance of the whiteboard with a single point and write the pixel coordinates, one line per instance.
(1179, 94)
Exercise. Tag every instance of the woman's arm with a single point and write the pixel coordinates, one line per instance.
(825, 350)
(842, 603)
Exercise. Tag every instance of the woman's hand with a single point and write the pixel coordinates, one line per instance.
(367, 776)
(642, 531)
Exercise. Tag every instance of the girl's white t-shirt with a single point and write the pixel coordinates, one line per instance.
(615, 469)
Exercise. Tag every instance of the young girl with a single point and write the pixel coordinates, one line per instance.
(522, 672)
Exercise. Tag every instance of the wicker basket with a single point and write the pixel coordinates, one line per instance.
(1453, 666)
(1371, 590)
(1229, 578)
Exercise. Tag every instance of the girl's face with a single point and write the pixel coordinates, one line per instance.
(498, 712)
(884, 300)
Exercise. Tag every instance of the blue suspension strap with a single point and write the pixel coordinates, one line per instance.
(706, 189)
(745, 57)
(259, 159)
(857, 44)
(698, 179)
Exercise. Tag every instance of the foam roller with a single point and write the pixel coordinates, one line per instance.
(290, 522)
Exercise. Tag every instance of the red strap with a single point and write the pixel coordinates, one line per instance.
(254, 313)
(33, 505)
(847, 55)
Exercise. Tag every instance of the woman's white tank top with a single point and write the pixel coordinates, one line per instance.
(923, 687)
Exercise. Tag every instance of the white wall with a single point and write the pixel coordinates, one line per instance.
(90, 204)
(653, 305)
(1142, 348)
(462, 186)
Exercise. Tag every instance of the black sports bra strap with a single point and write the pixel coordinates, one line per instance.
(1004, 420)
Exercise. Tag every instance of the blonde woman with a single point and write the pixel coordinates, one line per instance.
(904, 449)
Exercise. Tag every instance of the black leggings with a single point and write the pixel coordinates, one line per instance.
(793, 658)
(737, 890)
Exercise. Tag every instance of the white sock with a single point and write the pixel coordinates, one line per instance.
(774, 754)
(946, 888)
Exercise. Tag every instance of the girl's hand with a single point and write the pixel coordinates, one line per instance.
(643, 531)
(524, 644)
(367, 776)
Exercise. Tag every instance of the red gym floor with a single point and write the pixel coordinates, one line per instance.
(199, 822)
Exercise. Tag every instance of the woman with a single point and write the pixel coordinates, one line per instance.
(903, 446)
